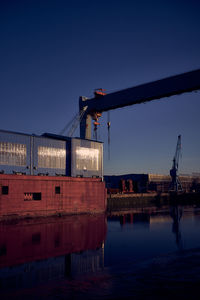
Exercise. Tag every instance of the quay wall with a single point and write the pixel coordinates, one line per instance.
(117, 202)
(32, 196)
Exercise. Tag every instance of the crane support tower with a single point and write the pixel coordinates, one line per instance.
(175, 185)
(175, 85)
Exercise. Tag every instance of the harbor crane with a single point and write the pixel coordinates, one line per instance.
(175, 185)
(175, 85)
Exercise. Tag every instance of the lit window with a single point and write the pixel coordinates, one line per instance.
(87, 158)
(12, 154)
(49, 157)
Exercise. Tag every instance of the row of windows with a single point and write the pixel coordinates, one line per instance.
(28, 196)
(15, 154)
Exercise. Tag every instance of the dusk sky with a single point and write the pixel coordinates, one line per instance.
(52, 52)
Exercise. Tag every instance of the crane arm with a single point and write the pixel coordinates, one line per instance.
(175, 85)
(166, 87)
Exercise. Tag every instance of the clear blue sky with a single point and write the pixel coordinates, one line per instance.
(54, 51)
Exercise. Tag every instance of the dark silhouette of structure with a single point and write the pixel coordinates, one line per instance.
(170, 86)
(175, 184)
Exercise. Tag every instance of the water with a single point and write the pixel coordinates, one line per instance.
(79, 256)
(147, 236)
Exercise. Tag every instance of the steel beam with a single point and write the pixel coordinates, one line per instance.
(174, 85)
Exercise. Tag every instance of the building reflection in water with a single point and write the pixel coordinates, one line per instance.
(131, 218)
(36, 251)
(147, 218)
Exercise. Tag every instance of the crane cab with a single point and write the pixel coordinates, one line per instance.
(99, 93)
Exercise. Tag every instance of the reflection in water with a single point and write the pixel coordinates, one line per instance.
(144, 218)
(176, 213)
(59, 257)
(132, 218)
(38, 251)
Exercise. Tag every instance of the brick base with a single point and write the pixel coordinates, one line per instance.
(23, 195)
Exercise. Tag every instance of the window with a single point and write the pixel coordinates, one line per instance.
(49, 157)
(5, 190)
(57, 189)
(12, 154)
(87, 159)
(37, 196)
(32, 196)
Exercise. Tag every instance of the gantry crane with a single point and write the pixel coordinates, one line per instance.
(186, 82)
(175, 185)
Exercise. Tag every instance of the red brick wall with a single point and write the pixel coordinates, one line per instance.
(77, 195)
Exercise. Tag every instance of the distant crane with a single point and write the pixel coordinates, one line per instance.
(175, 184)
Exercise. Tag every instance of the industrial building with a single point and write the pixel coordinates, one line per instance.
(137, 183)
(143, 183)
(50, 174)
(49, 154)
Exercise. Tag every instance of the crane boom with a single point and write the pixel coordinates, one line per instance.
(186, 82)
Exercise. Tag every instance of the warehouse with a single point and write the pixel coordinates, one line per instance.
(50, 175)
(49, 154)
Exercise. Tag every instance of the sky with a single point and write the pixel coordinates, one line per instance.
(52, 52)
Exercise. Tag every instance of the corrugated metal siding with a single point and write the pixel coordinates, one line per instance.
(49, 156)
(15, 154)
(86, 158)
(31, 155)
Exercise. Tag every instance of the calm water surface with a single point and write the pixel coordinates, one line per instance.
(60, 257)
(145, 235)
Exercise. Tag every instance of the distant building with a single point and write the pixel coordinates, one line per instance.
(142, 183)
(121, 183)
